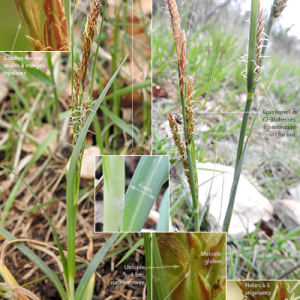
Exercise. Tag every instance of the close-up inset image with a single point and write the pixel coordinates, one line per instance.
(38, 25)
(189, 266)
(263, 290)
(131, 193)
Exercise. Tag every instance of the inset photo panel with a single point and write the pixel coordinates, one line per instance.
(35, 25)
(189, 266)
(131, 193)
(263, 290)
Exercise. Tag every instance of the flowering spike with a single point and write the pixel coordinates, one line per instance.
(258, 51)
(182, 62)
(90, 30)
(175, 21)
(282, 4)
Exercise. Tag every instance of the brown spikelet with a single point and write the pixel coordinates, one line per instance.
(175, 21)
(281, 5)
(55, 26)
(75, 100)
(182, 62)
(90, 30)
(180, 146)
(258, 51)
(189, 110)
(76, 85)
(176, 135)
(36, 44)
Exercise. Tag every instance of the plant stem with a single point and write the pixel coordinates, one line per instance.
(116, 99)
(56, 101)
(96, 124)
(243, 129)
(191, 162)
(250, 93)
(269, 27)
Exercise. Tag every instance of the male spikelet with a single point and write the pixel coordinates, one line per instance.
(184, 81)
(175, 21)
(179, 145)
(80, 100)
(55, 27)
(189, 109)
(90, 30)
(281, 5)
(258, 50)
(29, 11)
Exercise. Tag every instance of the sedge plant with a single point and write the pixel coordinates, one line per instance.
(184, 143)
(257, 46)
(83, 113)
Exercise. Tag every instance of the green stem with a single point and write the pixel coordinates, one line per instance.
(268, 31)
(147, 246)
(96, 124)
(191, 162)
(243, 129)
(250, 93)
(116, 100)
(56, 101)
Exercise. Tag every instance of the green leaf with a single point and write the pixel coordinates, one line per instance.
(131, 250)
(119, 122)
(114, 189)
(147, 246)
(163, 221)
(94, 265)
(159, 282)
(143, 190)
(71, 179)
(39, 152)
(34, 258)
(60, 249)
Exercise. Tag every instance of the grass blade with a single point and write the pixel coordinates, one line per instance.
(131, 250)
(71, 178)
(59, 246)
(147, 246)
(119, 122)
(150, 173)
(93, 266)
(114, 189)
(39, 152)
(163, 221)
(34, 258)
(159, 282)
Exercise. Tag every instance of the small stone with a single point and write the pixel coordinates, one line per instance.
(250, 206)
